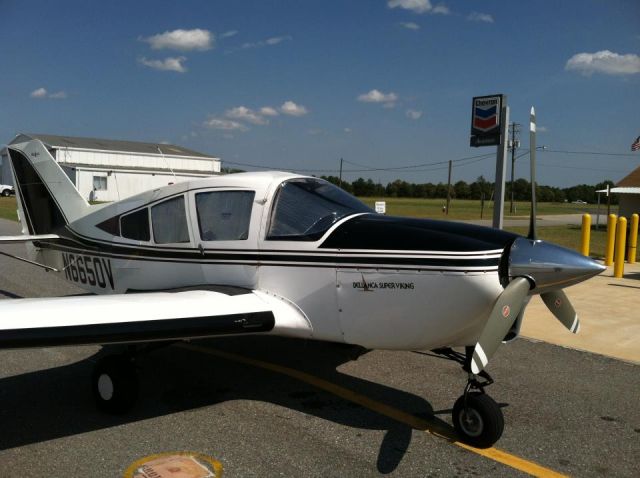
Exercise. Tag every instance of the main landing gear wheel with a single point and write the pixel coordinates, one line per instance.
(115, 384)
(478, 419)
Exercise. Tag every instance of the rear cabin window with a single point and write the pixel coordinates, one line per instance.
(169, 221)
(136, 225)
(224, 215)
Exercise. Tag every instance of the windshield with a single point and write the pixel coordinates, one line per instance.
(305, 209)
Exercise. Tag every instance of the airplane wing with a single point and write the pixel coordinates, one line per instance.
(147, 316)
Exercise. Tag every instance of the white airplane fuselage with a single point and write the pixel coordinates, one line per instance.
(389, 298)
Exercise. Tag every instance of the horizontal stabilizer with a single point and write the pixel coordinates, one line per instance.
(145, 317)
(28, 238)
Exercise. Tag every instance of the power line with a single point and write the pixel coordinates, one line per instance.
(437, 165)
(590, 153)
(467, 160)
(399, 168)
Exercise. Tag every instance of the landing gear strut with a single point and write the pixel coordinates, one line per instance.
(477, 418)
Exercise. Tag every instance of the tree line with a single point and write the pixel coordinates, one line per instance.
(476, 190)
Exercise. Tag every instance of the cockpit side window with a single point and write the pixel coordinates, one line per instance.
(169, 221)
(136, 225)
(224, 215)
(306, 208)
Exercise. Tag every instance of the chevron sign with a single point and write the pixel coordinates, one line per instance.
(485, 120)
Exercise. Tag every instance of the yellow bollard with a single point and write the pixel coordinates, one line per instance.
(611, 239)
(633, 240)
(586, 234)
(618, 267)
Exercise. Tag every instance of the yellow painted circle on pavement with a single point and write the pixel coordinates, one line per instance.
(175, 464)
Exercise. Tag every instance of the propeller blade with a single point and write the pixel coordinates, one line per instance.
(504, 313)
(559, 305)
(532, 160)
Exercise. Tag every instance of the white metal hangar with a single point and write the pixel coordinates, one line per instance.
(109, 170)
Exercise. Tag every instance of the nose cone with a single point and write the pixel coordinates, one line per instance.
(549, 266)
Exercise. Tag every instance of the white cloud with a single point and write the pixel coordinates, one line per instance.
(604, 61)
(168, 64)
(224, 124)
(183, 40)
(276, 40)
(268, 42)
(480, 17)
(419, 6)
(441, 9)
(542, 129)
(228, 34)
(409, 25)
(414, 114)
(348, 130)
(39, 93)
(268, 111)
(42, 93)
(58, 95)
(292, 109)
(243, 113)
(388, 100)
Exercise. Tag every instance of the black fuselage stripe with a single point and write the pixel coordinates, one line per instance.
(138, 331)
(103, 244)
(272, 259)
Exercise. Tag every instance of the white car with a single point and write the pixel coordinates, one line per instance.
(579, 201)
(6, 190)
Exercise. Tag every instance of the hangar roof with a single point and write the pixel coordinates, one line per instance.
(109, 145)
(630, 180)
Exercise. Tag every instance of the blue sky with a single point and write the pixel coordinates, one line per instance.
(299, 84)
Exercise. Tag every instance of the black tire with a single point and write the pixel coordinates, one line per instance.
(115, 384)
(481, 424)
(6, 193)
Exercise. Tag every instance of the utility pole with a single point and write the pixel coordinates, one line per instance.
(449, 188)
(340, 179)
(513, 144)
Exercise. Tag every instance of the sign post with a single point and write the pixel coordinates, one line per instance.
(489, 122)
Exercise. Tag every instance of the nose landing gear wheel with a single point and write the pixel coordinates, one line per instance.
(479, 422)
(115, 384)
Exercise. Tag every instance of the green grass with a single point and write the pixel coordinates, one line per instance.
(470, 209)
(8, 208)
(570, 237)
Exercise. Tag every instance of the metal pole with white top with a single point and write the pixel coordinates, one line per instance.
(498, 205)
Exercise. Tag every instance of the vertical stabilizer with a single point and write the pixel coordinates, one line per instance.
(48, 200)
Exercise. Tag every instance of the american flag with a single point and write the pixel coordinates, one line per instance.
(635, 146)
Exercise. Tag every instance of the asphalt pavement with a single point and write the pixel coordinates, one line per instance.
(246, 403)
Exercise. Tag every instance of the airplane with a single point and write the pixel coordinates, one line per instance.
(274, 253)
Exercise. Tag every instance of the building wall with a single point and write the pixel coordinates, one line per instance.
(629, 204)
(122, 184)
(109, 159)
